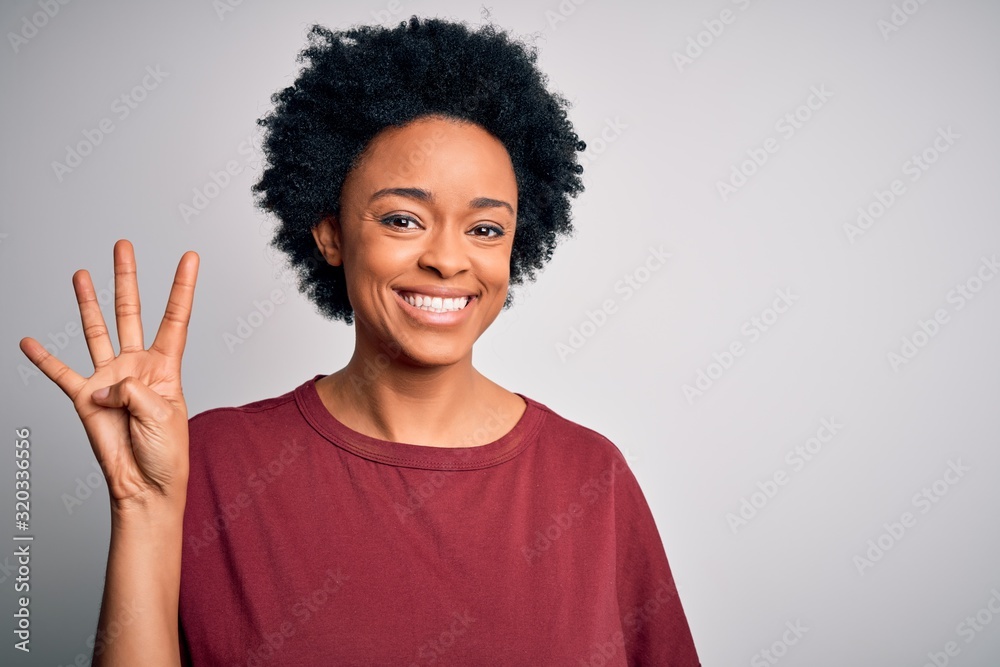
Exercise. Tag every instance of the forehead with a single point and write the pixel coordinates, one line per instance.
(435, 149)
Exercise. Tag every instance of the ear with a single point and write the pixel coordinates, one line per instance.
(328, 238)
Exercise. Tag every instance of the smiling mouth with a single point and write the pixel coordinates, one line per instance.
(435, 304)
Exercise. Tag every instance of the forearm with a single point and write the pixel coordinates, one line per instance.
(138, 620)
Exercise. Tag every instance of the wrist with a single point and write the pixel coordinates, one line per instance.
(153, 510)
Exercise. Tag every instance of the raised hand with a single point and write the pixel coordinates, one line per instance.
(139, 428)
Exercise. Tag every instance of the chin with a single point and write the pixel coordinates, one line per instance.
(428, 354)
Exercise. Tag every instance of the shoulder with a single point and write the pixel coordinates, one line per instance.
(572, 441)
(231, 447)
(587, 465)
(231, 422)
(258, 407)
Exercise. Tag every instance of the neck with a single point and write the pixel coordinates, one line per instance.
(387, 395)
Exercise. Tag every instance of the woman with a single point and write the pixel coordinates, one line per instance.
(404, 510)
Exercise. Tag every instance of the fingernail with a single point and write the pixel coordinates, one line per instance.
(101, 393)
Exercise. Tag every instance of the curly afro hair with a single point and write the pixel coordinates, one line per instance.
(361, 80)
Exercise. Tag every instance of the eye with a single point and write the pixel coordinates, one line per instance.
(494, 228)
(390, 220)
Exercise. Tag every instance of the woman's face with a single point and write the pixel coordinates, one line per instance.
(429, 214)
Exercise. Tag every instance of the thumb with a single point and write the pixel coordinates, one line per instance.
(130, 393)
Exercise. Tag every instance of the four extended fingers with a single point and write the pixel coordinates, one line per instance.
(170, 338)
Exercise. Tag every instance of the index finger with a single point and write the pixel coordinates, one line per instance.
(172, 334)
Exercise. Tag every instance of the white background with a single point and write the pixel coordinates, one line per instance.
(673, 131)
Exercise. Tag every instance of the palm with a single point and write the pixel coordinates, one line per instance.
(142, 447)
(133, 454)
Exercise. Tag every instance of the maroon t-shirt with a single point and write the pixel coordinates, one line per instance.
(308, 543)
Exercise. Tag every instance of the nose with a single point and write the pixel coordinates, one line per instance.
(445, 251)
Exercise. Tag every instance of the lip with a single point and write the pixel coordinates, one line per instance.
(439, 319)
(435, 290)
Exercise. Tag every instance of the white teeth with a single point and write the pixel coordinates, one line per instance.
(436, 304)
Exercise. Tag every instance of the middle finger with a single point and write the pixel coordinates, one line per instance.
(127, 310)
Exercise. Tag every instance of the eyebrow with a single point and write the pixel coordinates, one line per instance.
(423, 195)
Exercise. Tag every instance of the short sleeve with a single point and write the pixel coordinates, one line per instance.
(654, 626)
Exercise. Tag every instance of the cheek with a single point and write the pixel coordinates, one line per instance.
(373, 258)
(503, 262)
(386, 261)
(495, 269)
